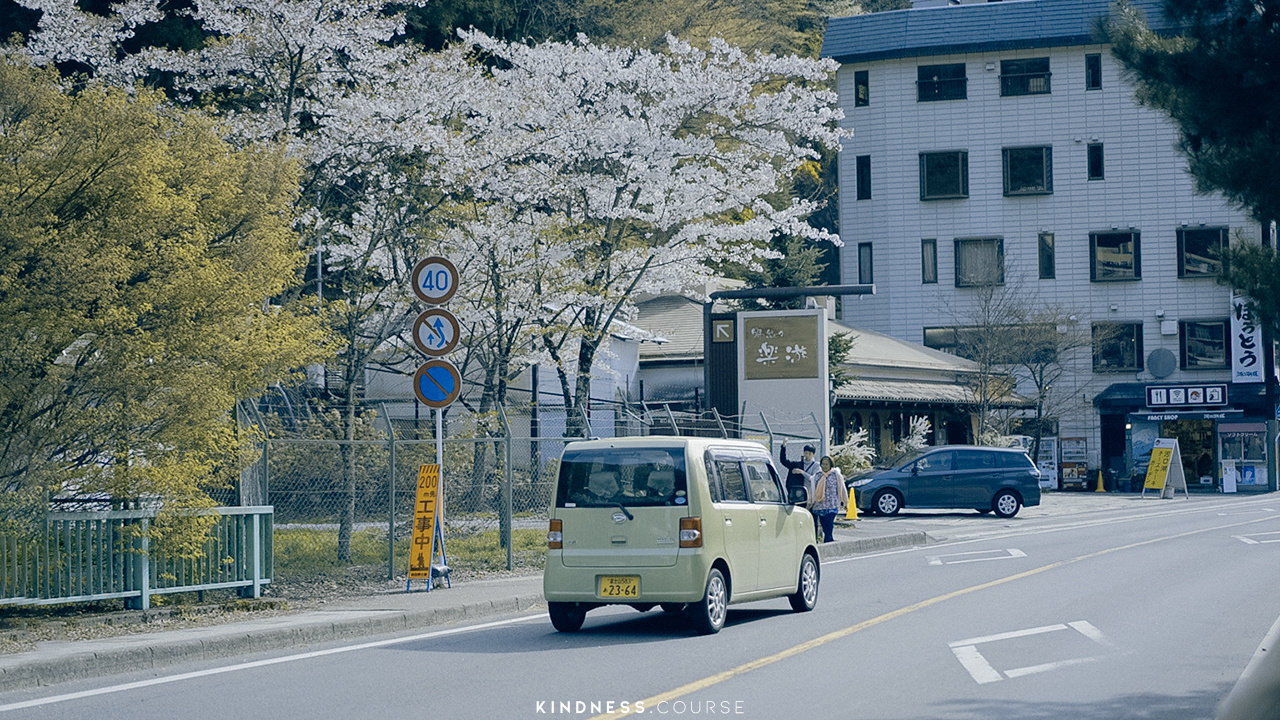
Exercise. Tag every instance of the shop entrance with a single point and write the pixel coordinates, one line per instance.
(1112, 452)
(1196, 441)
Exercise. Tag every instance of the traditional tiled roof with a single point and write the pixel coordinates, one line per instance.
(971, 28)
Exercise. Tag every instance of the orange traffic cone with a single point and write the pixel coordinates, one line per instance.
(1101, 488)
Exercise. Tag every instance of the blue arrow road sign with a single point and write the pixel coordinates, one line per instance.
(437, 383)
(435, 332)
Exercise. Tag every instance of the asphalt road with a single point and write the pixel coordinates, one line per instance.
(1143, 611)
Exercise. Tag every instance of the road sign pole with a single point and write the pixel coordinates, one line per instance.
(440, 449)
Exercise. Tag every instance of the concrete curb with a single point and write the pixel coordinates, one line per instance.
(844, 548)
(62, 661)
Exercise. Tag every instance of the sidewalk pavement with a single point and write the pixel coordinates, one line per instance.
(54, 662)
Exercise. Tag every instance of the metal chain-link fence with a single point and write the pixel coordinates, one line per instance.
(342, 481)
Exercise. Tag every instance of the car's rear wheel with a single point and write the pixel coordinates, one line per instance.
(567, 617)
(806, 594)
(887, 502)
(1006, 503)
(707, 615)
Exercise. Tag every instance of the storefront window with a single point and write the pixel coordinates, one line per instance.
(1243, 456)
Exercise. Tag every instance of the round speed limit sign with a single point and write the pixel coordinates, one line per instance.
(435, 280)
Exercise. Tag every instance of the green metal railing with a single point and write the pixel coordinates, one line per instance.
(84, 556)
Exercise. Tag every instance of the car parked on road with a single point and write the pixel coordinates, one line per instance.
(689, 524)
(987, 479)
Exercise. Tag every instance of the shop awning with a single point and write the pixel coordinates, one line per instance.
(915, 392)
(1122, 395)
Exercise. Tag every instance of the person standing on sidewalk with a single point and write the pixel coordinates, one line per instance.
(802, 472)
(831, 497)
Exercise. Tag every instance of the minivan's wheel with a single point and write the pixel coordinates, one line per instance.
(565, 616)
(806, 595)
(887, 502)
(707, 615)
(1006, 503)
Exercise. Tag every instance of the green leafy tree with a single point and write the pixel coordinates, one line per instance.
(1216, 78)
(138, 252)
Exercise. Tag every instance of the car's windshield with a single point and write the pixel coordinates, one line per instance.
(899, 458)
(606, 477)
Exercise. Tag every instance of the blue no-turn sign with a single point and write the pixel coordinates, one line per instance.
(437, 383)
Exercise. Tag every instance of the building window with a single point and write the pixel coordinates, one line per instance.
(1006, 344)
(1024, 77)
(944, 175)
(1114, 256)
(946, 339)
(1095, 162)
(1028, 170)
(1200, 251)
(940, 82)
(863, 181)
(1117, 347)
(1048, 271)
(861, 89)
(864, 264)
(1093, 71)
(929, 261)
(1203, 343)
(979, 262)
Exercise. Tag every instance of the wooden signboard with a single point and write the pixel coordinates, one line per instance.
(1164, 471)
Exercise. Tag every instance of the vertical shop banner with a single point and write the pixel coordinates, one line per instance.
(422, 550)
(1246, 343)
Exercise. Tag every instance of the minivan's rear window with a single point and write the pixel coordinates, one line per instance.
(1016, 460)
(635, 477)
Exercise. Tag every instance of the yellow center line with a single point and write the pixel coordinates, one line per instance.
(817, 642)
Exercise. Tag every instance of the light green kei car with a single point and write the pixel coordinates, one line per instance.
(689, 524)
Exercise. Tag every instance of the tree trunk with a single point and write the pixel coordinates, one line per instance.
(347, 498)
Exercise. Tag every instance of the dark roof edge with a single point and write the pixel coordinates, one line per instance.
(964, 48)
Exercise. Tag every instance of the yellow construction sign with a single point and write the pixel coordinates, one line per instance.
(422, 551)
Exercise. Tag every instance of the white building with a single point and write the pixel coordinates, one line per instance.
(999, 143)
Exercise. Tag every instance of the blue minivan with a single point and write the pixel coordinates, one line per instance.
(987, 479)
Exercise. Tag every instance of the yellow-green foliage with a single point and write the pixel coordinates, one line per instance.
(139, 255)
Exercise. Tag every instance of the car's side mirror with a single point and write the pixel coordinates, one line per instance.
(915, 469)
(798, 495)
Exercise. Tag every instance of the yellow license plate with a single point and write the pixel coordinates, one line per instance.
(619, 586)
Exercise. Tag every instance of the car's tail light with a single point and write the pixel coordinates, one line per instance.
(555, 535)
(690, 532)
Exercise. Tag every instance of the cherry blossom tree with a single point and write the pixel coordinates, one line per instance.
(567, 176)
(653, 167)
(294, 72)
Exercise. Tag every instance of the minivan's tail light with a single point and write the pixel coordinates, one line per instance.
(555, 535)
(690, 532)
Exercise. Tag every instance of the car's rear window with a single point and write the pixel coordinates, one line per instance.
(635, 477)
(1019, 461)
